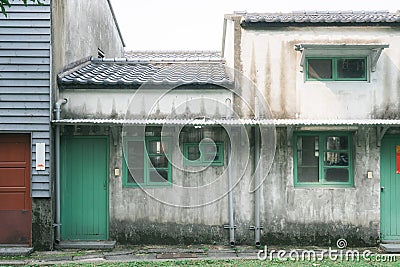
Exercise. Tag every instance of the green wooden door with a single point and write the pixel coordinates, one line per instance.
(390, 188)
(84, 188)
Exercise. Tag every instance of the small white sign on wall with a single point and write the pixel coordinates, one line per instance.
(40, 156)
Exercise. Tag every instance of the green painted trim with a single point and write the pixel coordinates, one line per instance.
(389, 198)
(201, 161)
(63, 150)
(334, 69)
(321, 165)
(146, 162)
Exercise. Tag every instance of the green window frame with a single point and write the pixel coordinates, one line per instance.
(337, 69)
(203, 154)
(323, 159)
(150, 165)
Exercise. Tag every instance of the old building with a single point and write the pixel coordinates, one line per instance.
(37, 41)
(289, 136)
(331, 79)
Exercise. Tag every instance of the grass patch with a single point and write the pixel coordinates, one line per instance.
(243, 263)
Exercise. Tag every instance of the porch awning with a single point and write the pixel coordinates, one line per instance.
(206, 121)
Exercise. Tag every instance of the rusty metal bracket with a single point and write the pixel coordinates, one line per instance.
(114, 133)
(289, 135)
(256, 228)
(380, 132)
(360, 135)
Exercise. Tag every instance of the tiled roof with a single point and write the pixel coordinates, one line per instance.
(334, 18)
(134, 71)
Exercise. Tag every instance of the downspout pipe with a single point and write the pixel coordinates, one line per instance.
(57, 111)
(230, 198)
(257, 225)
(231, 225)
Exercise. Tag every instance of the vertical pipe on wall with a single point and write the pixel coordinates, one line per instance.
(257, 226)
(57, 110)
(230, 197)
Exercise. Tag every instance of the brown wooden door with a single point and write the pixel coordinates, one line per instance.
(15, 200)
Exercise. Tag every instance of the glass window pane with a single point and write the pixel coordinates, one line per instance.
(337, 143)
(157, 176)
(135, 161)
(307, 159)
(307, 174)
(319, 68)
(351, 68)
(159, 161)
(337, 175)
(336, 159)
(136, 176)
(193, 152)
(155, 147)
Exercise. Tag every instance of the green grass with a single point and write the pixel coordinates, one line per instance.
(242, 263)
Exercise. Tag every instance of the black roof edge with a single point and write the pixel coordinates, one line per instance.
(259, 25)
(148, 86)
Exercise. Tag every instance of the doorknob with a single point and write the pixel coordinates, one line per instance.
(382, 188)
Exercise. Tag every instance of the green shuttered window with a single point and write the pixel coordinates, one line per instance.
(323, 159)
(203, 154)
(146, 162)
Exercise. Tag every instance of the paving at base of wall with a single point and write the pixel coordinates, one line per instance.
(150, 253)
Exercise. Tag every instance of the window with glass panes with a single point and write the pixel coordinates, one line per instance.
(337, 69)
(146, 162)
(323, 159)
(204, 153)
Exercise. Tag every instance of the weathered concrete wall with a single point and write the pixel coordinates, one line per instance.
(197, 214)
(42, 223)
(193, 210)
(312, 216)
(79, 28)
(268, 58)
(146, 103)
(315, 215)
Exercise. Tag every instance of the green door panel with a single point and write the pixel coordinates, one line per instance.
(84, 188)
(390, 190)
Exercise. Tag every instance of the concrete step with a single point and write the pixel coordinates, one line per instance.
(86, 245)
(15, 251)
(391, 247)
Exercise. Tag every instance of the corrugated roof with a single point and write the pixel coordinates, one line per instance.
(134, 71)
(275, 122)
(327, 18)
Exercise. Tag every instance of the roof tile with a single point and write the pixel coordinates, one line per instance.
(325, 18)
(157, 68)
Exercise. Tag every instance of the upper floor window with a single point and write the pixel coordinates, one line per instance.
(336, 69)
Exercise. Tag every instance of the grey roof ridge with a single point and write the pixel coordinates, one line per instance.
(68, 69)
(152, 61)
(322, 12)
(177, 51)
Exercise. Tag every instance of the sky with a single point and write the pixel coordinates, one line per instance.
(197, 24)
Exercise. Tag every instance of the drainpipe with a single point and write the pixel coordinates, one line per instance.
(257, 226)
(230, 198)
(57, 111)
(231, 225)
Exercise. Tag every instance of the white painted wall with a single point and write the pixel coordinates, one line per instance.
(268, 57)
(155, 103)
